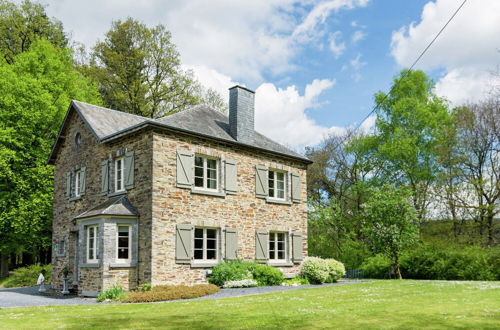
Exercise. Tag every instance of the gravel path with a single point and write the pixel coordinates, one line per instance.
(28, 297)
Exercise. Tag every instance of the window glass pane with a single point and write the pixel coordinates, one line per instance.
(271, 254)
(123, 253)
(198, 161)
(281, 255)
(123, 242)
(281, 185)
(198, 232)
(211, 254)
(212, 184)
(123, 230)
(281, 236)
(211, 244)
(198, 182)
(198, 244)
(198, 172)
(211, 233)
(211, 174)
(281, 194)
(280, 176)
(198, 254)
(281, 245)
(271, 245)
(211, 164)
(91, 253)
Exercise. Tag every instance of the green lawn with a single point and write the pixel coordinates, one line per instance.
(378, 304)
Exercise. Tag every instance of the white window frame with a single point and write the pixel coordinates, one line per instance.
(273, 237)
(95, 244)
(122, 260)
(205, 173)
(77, 176)
(119, 169)
(204, 248)
(275, 184)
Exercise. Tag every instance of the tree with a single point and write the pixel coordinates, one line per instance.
(138, 70)
(390, 223)
(35, 91)
(21, 25)
(409, 125)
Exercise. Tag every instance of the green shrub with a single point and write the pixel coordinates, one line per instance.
(377, 266)
(28, 276)
(231, 271)
(116, 293)
(296, 281)
(145, 287)
(336, 270)
(451, 263)
(171, 292)
(315, 269)
(266, 275)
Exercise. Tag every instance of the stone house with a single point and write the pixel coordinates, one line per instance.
(161, 201)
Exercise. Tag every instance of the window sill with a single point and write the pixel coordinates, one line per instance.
(123, 265)
(208, 192)
(75, 198)
(280, 263)
(90, 265)
(203, 264)
(278, 201)
(117, 193)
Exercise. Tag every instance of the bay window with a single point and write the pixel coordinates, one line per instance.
(123, 243)
(92, 244)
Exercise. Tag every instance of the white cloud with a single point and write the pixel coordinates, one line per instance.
(336, 46)
(467, 49)
(210, 78)
(358, 36)
(356, 62)
(280, 113)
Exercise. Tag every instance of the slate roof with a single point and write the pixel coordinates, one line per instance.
(118, 206)
(201, 120)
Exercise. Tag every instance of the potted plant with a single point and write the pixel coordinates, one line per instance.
(65, 273)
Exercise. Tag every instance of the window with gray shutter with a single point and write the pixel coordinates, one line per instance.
(68, 184)
(297, 249)
(183, 244)
(129, 170)
(185, 169)
(295, 188)
(104, 177)
(230, 174)
(261, 184)
(231, 244)
(261, 246)
(83, 172)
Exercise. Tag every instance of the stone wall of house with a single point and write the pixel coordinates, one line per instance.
(90, 153)
(173, 205)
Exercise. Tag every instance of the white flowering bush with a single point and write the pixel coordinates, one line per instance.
(316, 270)
(336, 270)
(248, 283)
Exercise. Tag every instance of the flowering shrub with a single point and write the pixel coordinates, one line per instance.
(336, 270)
(240, 284)
(316, 270)
(231, 271)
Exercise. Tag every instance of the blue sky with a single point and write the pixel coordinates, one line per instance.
(315, 64)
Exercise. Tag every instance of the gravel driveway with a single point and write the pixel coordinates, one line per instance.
(27, 297)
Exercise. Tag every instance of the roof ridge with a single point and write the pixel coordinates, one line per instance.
(113, 110)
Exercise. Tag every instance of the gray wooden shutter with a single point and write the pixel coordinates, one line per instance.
(297, 249)
(183, 244)
(68, 184)
(261, 246)
(231, 243)
(295, 188)
(185, 169)
(104, 177)
(83, 172)
(230, 173)
(129, 169)
(261, 189)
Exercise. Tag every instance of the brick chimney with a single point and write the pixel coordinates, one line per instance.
(241, 114)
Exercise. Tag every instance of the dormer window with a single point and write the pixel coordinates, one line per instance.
(119, 170)
(205, 173)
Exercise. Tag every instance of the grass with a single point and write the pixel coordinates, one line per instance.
(374, 305)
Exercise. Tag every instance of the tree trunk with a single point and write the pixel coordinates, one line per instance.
(491, 238)
(398, 272)
(4, 265)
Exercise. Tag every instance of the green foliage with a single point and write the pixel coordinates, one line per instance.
(378, 266)
(116, 293)
(231, 271)
(315, 270)
(452, 263)
(138, 70)
(390, 223)
(336, 270)
(296, 281)
(145, 287)
(24, 23)
(170, 292)
(28, 276)
(266, 275)
(34, 96)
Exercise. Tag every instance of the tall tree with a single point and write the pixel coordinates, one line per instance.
(22, 24)
(34, 95)
(138, 70)
(409, 125)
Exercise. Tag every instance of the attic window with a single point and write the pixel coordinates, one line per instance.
(78, 139)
